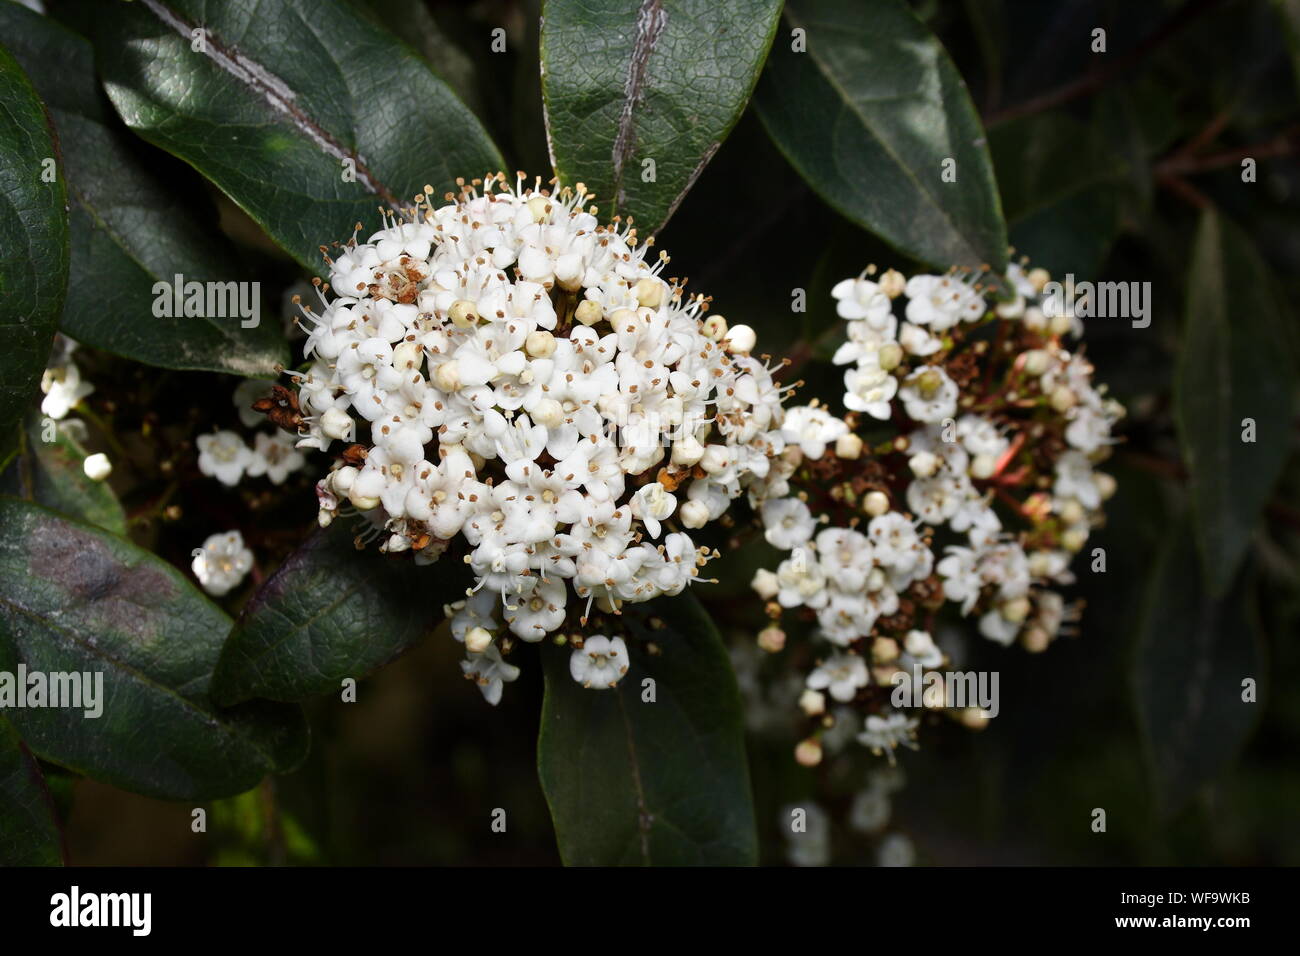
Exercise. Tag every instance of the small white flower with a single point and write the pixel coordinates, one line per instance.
(862, 299)
(788, 523)
(600, 663)
(63, 388)
(812, 429)
(885, 734)
(490, 672)
(223, 456)
(841, 675)
(929, 395)
(274, 454)
(222, 562)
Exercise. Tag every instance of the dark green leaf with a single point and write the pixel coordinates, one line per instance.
(328, 613)
(52, 473)
(288, 96)
(662, 782)
(130, 227)
(29, 834)
(75, 599)
(33, 244)
(870, 115)
(662, 81)
(1230, 368)
(1193, 655)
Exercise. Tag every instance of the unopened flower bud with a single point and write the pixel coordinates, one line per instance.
(1063, 398)
(983, 466)
(649, 292)
(892, 283)
(1037, 361)
(1034, 319)
(848, 446)
(876, 503)
(1074, 539)
(1071, 512)
(1105, 484)
(540, 208)
(884, 650)
(889, 356)
(924, 464)
(765, 584)
(716, 459)
(540, 344)
(812, 702)
(1060, 324)
(687, 452)
(97, 467)
(589, 312)
(771, 639)
(808, 753)
(1038, 278)
(447, 376)
(477, 640)
(714, 327)
(1015, 610)
(694, 514)
(548, 412)
(463, 314)
(740, 339)
(1035, 639)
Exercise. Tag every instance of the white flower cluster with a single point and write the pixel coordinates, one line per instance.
(968, 440)
(529, 383)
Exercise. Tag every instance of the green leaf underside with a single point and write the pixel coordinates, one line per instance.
(662, 80)
(53, 474)
(33, 245)
(129, 227)
(1230, 368)
(329, 613)
(1193, 654)
(345, 94)
(868, 114)
(29, 834)
(650, 783)
(76, 599)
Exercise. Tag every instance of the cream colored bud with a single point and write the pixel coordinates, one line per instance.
(1035, 639)
(463, 314)
(623, 319)
(408, 356)
(336, 423)
(716, 459)
(849, 447)
(548, 412)
(1063, 398)
(765, 584)
(771, 639)
(812, 702)
(1105, 483)
(1037, 361)
(1011, 310)
(983, 466)
(540, 208)
(884, 650)
(1071, 512)
(740, 339)
(1074, 539)
(892, 283)
(808, 753)
(687, 452)
(342, 479)
(362, 502)
(1015, 610)
(714, 327)
(589, 312)
(447, 376)
(694, 514)
(1060, 324)
(1034, 319)
(1038, 278)
(97, 467)
(477, 640)
(923, 464)
(540, 344)
(889, 356)
(876, 503)
(649, 292)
